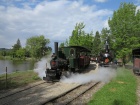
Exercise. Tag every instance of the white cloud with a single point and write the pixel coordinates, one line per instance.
(55, 20)
(138, 8)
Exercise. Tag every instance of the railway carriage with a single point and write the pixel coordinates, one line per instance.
(136, 60)
(66, 60)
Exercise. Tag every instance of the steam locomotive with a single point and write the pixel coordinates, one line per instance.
(106, 57)
(67, 60)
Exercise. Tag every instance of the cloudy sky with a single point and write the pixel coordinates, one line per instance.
(55, 19)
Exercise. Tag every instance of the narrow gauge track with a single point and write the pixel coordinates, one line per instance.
(9, 92)
(39, 94)
(7, 97)
(68, 97)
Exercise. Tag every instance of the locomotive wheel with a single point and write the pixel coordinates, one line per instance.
(58, 76)
(48, 79)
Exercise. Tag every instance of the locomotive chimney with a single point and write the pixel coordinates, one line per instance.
(106, 47)
(56, 48)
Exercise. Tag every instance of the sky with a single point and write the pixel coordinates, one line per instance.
(55, 19)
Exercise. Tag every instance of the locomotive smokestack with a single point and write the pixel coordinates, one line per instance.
(56, 48)
(106, 47)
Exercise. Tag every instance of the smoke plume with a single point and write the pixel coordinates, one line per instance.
(40, 67)
(103, 74)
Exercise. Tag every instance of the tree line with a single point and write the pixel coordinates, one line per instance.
(123, 34)
(36, 47)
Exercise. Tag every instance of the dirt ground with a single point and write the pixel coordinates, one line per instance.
(138, 90)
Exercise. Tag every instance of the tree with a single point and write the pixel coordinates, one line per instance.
(124, 28)
(105, 35)
(16, 47)
(21, 53)
(88, 40)
(3, 53)
(75, 39)
(36, 45)
(62, 44)
(136, 36)
(96, 44)
(80, 38)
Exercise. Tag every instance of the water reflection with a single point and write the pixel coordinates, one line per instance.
(13, 66)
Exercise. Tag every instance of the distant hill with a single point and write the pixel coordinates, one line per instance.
(4, 49)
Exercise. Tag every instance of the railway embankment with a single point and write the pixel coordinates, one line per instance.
(17, 79)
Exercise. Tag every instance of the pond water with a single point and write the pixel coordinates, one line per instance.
(13, 66)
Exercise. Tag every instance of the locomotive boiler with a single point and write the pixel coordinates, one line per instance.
(66, 60)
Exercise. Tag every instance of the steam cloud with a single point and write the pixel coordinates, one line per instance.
(102, 74)
(40, 67)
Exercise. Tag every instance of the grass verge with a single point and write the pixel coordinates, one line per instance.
(120, 91)
(18, 79)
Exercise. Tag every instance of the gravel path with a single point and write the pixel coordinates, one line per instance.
(37, 95)
(138, 90)
(5, 93)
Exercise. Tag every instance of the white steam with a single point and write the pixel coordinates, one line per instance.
(40, 67)
(103, 74)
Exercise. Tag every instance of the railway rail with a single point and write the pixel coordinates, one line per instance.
(9, 92)
(43, 93)
(12, 96)
(35, 95)
(69, 97)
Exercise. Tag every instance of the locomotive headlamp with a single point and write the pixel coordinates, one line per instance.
(106, 55)
(53, 63)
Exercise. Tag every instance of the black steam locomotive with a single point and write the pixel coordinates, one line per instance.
(66, 60)
(106, 57)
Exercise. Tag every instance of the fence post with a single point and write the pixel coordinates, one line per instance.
(6, 79)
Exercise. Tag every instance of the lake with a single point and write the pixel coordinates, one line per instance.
(13, 66)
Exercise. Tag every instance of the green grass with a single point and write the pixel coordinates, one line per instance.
(120, 91)
(18, 79)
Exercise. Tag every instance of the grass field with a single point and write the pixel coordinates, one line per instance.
(120, 91)
(18, 79)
